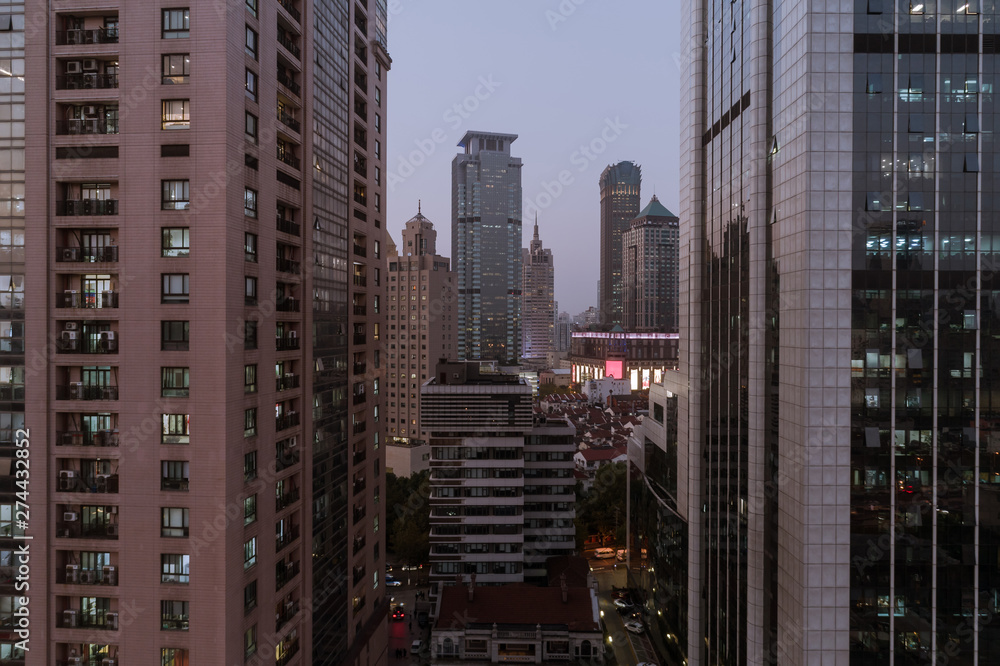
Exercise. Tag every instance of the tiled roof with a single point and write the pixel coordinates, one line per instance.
(518, 604)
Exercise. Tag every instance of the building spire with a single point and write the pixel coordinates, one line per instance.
(418, 207)
(536, 225)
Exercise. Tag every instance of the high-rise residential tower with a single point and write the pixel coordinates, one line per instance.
(620, 185)
(538, 306)
(486, 246)
(206, 208)
(837, 459)
(649, 271)
(422, 329)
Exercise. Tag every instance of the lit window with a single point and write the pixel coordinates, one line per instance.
(174, 522)
(176, 242)
(176, 195)
(175, 382)
(249, 554)
(175, 288)
(175, 568)
(176, 68)
(176, 114)
(250, 202)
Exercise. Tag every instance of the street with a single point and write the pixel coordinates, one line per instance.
(629, 648)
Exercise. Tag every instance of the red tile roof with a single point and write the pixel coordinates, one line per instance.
(518, 604)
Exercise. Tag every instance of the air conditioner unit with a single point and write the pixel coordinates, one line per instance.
(110, 574)
(112, 530)
(72, 573)
(90, 65)
(102, 482)
(109, 661)
(70, 254)
(70, 326)
(108, 335)
(90, 110)
(67, 474)
(73, 67)
(65, 485)
(88, 577)
(69, 337)
(70, 620)
(90, 80)
(76, 390)
(111, 621)
(69, 516)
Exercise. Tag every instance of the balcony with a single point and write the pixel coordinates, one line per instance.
(360, 250)
(285, 79)
(79, 207)
(86, 126)
(359, 457)
(289, 159)
(285, 538)
(286, 500)
(70, 481)
(73, 575)
(360, 427)
(93, 255)
(286, 343)
(90, 300)
(78, 391)
(87, 438)
(285, 304)
(360, 280)
(174, 483)
(359, 398)
(289, 611)
(360, 310)
(359, 574)
(359, 543)
(70, 343)
(289, 121)
(359, 486)
(289, 7)
(285, 459)
(287, 40)
(286, 383)
(86, 81)
(360, 339)
(76, 530)
(286, 421)
(285, 572)
(287, 266)
(73, 619)
(360, 367)
(95, 36)
(287, 226)
(286, 650)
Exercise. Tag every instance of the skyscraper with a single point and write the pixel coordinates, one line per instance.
(422, 329)
(486, 246)
(620, 185)
(649, 271)
(538, 307)
(242, 508)
(837, 458)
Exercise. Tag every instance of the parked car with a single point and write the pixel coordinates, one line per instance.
(416, 646)
(398, 614)
(635, 626)
(623, 604)
(392, 582)
(604, 553)
(620, 555)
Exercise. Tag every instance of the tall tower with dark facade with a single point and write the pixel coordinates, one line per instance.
(205, 217)
(539, 305)
(837, 452)
(486, 246)
(649, 271)
(620, 185)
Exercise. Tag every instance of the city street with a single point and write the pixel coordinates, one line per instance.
(629, 648)
(402, 633)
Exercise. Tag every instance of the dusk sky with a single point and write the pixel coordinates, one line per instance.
(583, 83)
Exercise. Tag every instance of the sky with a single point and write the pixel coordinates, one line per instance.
(583, 83)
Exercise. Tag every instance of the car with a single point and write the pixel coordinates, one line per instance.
(398, 614)
(604, 553)
(635, 626)
(646, 663)
(620, 554)
(392, 582)
(623, 604)
(416, 646)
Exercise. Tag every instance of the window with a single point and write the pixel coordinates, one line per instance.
(174, 657)
(252, 7)
(174, 615)
(174, 474)
(250, 422)
(175, 522)
(249, 465)
(250, 378)
(378, 97)
(378, 176)
(250, 297)
(250, 335)
(250, 553)
(175, 288)
(175, 335)
(175, 568)
(176, 68)
(378, 123)
(378, 149)
(251, 85)
(251, 43)
(250, 247)
(176, 23)
(174, 382)
(176, 429)
(251, 127)
(250, 642)
(176, 114)
(176, 242)
(249, 509)
(250, 202)
(176, 194)
(250, 596)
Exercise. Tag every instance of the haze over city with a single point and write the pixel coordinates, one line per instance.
(582, 84)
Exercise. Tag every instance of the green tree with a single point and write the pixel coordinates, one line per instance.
(601, 511)
(408, 516)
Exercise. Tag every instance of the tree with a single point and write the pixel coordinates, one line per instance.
(408, 516)
(602, 510)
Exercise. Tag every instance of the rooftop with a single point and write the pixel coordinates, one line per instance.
(520, 605)
(654, 209)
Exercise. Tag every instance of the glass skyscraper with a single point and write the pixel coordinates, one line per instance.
(486, 246)
(838, 455)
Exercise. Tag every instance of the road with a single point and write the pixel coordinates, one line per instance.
(402, 633)
(629, 648)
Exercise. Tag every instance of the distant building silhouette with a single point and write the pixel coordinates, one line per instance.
(620, 184)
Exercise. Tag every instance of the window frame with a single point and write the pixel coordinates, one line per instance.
(253, 49)
(249, 553)
(168, 528)
(251, 84)
(250, 202)
(182, 250)
(250, 378)
(167, 66)
(175, 335)
(167, 292)
(168, 14)
(173, 118)
(169, 376)
(175, 194)
(182, 564)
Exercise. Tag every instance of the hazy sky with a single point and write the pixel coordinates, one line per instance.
(583, 83)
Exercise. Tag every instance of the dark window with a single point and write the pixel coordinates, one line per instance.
(176, 68)
(176, 23)
(175, 288)
(175, 335)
